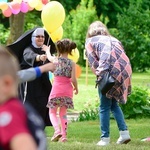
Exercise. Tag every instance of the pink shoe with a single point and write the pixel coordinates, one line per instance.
(56, 137)
(63, 139)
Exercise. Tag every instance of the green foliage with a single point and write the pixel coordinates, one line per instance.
(69, 5)
(133, 30)
(77, 22)
(138, 104)
(32, 19)
(90, 112)
(4, 33)
(110, 9)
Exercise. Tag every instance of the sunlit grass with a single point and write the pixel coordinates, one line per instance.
(85, 135)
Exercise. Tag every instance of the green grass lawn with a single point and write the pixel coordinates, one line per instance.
(85, 135)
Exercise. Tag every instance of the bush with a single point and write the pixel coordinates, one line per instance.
(3, 34)
(133, 31)
(138, 104)
(90, 112)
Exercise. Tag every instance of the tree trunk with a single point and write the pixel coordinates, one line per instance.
(16, 27)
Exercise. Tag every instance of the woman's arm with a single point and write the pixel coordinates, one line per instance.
(73, 78)
(31, 57)
(98, 57)
(92, 57)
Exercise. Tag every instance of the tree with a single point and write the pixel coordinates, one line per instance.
(69, 4)
(106, 8)
(17, 24)
(16, 27)
(109, 9)
(133, 30)
(77, 22)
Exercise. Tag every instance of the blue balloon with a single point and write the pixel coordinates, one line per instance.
(3, 1)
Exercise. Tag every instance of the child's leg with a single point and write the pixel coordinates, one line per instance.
(54, 119)
(63, 119)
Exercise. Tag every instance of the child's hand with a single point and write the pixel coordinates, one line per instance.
(76, 91)
(45, 48)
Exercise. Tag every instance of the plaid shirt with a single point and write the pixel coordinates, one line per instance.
(106, 53)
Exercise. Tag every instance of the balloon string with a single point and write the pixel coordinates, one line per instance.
(48, 41)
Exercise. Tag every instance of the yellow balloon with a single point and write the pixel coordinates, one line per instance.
(18, 1)
(39, 6)
(75, 55)
(57, 34)
(53, 15)
(3, 6)
(33, 3)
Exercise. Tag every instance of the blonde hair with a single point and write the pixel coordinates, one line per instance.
(97, 28)
(8, 64)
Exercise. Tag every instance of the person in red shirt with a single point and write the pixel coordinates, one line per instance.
(15, 133)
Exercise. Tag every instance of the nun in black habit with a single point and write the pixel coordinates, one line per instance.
(36, 92)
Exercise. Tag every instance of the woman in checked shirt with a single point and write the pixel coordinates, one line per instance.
(105, 53)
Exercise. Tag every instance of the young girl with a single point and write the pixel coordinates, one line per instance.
(62, 90)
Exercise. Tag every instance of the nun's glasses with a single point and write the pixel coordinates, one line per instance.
(39, 36)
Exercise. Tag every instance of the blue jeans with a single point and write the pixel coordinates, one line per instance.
(107, 105)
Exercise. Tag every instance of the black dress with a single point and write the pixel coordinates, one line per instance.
(39, 89)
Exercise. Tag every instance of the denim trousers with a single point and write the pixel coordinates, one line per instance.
(106, 106)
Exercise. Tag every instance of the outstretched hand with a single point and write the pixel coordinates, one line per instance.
(45, 48)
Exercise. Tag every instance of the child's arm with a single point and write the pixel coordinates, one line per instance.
(73, 77)
(47, 50)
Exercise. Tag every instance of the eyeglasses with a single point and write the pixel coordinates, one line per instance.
(39, 36)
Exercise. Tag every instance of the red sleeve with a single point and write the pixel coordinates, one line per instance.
(14, 121)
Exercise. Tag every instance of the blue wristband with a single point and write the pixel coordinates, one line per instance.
(38, 72)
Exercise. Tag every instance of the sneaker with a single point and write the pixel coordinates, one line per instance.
(104, 141)
(124, 137)
(56, 137)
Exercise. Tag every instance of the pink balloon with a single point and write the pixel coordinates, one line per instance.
(15, 7)
(7, 12)
(15, 11)
(45, 1)
(24, 7)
